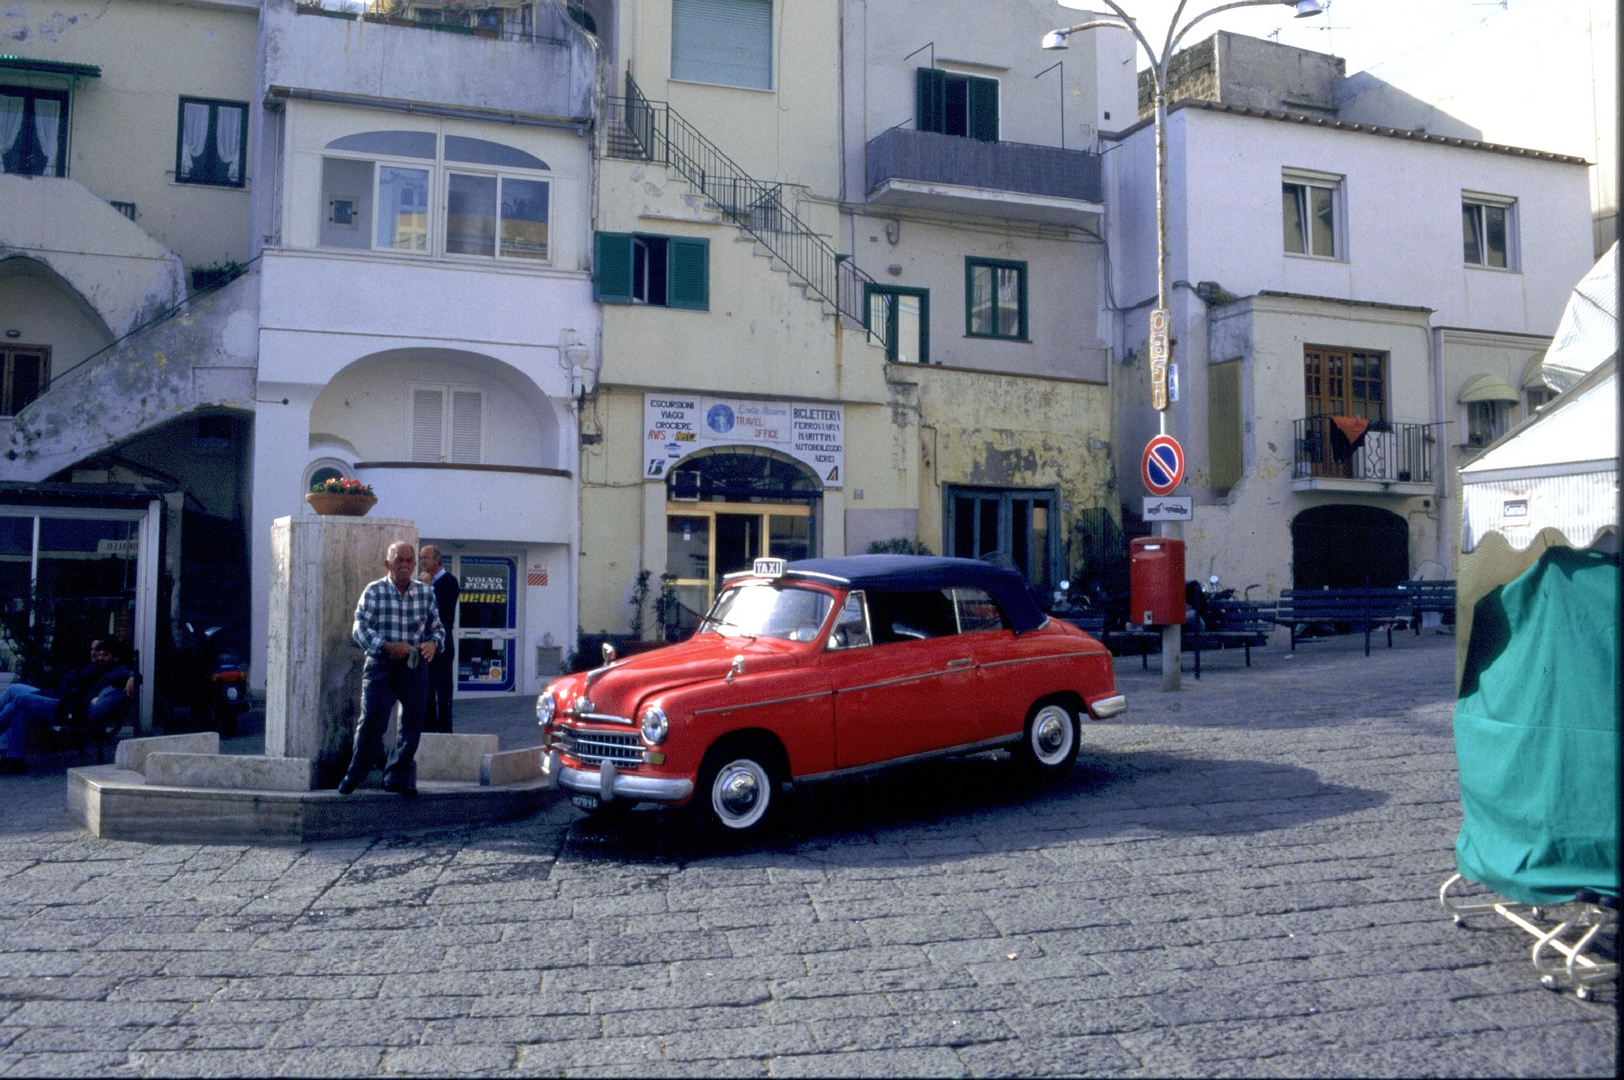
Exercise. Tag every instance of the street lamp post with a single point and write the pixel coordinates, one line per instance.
(1172, 643)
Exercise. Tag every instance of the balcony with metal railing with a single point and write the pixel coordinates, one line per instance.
(642, 130)
(1385, 458)
(538, 68)
(924, 170)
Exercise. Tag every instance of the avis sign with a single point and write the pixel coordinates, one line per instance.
(676, 425)
(1159, 350)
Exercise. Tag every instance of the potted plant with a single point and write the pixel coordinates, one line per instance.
(342, 496)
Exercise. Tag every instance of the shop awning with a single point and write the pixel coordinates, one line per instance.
(1533, 374)
(1558, 470)
(48, 67)
(1486, 387)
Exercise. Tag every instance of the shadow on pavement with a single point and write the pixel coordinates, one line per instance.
(986, 805)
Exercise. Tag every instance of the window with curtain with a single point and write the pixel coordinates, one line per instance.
(724, 42)
(1311, 214)
(34, 131)
(995, 298)
(211, 146)
(1488, 231)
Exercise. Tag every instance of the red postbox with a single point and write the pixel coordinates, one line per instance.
(1156, 581)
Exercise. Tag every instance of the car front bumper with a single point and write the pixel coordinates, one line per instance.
(1107, 707)
(609, 783)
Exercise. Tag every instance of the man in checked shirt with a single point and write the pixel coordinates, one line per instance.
(397, 622)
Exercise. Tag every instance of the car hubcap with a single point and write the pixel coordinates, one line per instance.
(1051, 735)
(740, 794)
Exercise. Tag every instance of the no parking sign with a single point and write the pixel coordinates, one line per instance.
(1162, 467)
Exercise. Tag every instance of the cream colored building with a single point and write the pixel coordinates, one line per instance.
(804, 370)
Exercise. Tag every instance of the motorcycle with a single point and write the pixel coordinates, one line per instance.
(206, 680)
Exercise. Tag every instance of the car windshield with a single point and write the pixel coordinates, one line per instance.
(768, 611)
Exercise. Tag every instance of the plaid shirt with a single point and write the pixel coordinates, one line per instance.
(385, 615)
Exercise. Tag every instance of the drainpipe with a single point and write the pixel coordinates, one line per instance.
(1440, 475)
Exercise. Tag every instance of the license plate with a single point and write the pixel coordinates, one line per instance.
(231, 693)
(585, 802)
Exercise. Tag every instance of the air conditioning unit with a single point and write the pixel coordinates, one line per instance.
(685, 485)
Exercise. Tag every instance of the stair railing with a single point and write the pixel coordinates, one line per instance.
(659, 134)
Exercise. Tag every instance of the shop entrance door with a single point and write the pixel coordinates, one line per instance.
(707, 541)
(487, 630)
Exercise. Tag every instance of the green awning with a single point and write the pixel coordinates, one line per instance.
(1486, 387)
(48, 67)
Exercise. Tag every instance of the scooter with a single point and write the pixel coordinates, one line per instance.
(208, 681)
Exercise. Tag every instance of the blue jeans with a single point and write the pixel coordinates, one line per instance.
(21, 705)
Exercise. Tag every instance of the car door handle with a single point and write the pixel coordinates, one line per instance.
(960, 663)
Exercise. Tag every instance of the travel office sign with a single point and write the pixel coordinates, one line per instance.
(676, 425)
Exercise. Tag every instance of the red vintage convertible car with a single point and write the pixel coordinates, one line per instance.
(822, 668)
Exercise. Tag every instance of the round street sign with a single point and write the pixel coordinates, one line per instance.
(1162, 468)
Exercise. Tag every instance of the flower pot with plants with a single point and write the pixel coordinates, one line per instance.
(341, 497)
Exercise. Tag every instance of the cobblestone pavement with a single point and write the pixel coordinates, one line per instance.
(1239, 879)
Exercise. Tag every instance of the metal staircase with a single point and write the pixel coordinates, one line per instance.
(644, 130)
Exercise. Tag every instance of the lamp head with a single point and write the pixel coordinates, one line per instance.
(1056, 39)
(1306, 8)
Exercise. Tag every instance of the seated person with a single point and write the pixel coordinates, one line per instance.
(97, 691)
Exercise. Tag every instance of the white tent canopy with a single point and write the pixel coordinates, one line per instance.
(1557, 470)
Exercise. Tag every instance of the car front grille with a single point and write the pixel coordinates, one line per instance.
(596, 747)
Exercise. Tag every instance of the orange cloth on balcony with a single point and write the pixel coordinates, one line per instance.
(1352, 428)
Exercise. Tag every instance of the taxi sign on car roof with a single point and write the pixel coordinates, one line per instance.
(769, 568)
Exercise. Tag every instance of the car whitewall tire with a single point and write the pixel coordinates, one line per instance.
(1050, 741)
(741, 793)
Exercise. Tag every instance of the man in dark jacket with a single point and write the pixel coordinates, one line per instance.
(437, 716)
(95, 692)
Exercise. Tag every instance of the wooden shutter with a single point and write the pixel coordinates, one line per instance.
(467, 426)
(428, 424)
(983, 110)
(1225, 450)
(612, 268)
(930, 100)
(687, 281)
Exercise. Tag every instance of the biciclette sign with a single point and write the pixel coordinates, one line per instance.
(675, 425)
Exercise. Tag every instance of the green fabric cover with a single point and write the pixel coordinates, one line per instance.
(1537, 733)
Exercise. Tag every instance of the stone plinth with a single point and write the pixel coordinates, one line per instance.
(319, 565)
(237, 772)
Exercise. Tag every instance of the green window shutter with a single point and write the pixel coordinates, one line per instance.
(930, 100)
(687, 280)
(1021, 287)
(983, 109)
(612, 268)
(1225, 452)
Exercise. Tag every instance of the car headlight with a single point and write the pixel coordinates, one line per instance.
(655, 726)
(546, 707)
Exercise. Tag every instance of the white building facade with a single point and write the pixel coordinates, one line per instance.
(426, 306)
(1354, 312)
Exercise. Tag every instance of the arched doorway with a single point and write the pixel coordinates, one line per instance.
(1344, 547)
(724, 509)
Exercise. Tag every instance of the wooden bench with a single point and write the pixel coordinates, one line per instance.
(1427, 596)
(1369, 608)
